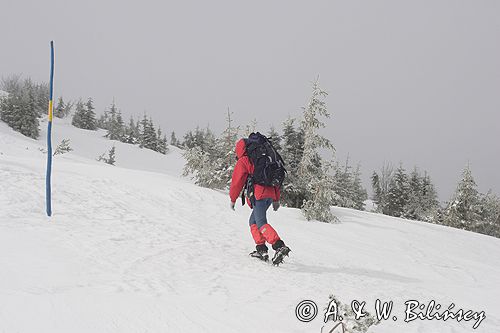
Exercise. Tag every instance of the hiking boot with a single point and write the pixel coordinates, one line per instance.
(282, 251)
(260, 252)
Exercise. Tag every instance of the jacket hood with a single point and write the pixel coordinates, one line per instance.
(240, 148)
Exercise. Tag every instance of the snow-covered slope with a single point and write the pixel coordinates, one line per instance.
(136, 248)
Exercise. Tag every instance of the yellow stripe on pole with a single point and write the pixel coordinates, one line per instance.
(50, 110)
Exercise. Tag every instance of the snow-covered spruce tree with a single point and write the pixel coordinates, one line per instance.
(148, 137)
(200, 160)
(161, 145)
(10, 109)
(84, 116)
(174, 141)
(104, 120)
(196, 138)
(490, 215)
(63, 148)
(275, 139)
(28, 121)
(132, 132)
(429, 203)
(41, 97)
(111, 157)
(398, 195)
(464, 208)
(225, 156)
(200, 166)
(358, 191)
(319, 197)
(59, 108)
(380, 185)
(119, 130)
(18, 109)
(210, 160)
(78, 115)
(205, 139)
(89, 119)
(414, 207)
(348, 187)
(422, 198)
(113, 122)
(292, 148)
(342, 186)
(377, 197)
(62, 109)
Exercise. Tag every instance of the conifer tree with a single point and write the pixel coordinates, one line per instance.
(9, 105)
(381, 183)
(161, 142)
(132, 132)
(104, 120)
(28, 118)
(111, 157)
(18, 109)
(174, 141)
(62, 148)
(358, 191)
(113, 122)
(148, 134)
(90, 121)
(196, 138)
(414, 207)
(84, 116)
(343, 185)
(310, 168)
(41, 97)
(292, 150)
(429, 199)
(348, 187)
(463, 210)
(200, 155)
(275, 138)
(210, 160)
(62, 110)
(225, 153)
(198, 163)
(398, 194)
(78, 116)
(59, 108)
(490, 215)
(377, 190)
(321, 196)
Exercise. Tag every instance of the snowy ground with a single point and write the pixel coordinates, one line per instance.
(137, 248)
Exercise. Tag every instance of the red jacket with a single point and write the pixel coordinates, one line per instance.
(242, 169)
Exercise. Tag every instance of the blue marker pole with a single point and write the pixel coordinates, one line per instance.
(49, 134)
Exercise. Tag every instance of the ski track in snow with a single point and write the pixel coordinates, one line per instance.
(129, 250)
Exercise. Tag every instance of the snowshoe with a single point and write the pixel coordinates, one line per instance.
(280, 254)
(260, 255)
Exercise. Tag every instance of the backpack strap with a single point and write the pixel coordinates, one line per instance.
(249, 189)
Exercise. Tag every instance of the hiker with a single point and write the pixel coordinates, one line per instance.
(259, 197)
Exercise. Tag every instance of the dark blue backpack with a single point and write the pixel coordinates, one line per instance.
(269, 166)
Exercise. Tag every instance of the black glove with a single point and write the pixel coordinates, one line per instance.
(276, 205)
(232, 205)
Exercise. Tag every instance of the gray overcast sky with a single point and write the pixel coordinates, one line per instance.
(410, 81)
